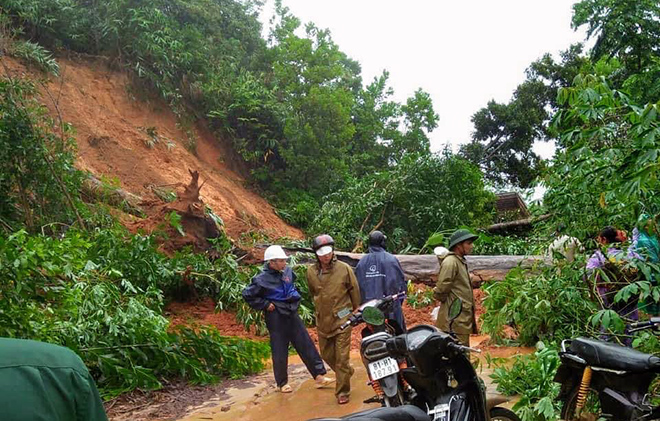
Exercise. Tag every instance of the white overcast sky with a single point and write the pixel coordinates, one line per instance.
(463, 53)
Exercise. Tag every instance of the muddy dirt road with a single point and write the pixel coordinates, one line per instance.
(258, 399)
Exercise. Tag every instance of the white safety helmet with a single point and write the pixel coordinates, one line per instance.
(274, 252)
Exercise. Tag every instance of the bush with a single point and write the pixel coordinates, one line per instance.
(548, 303)
(422, 195)
(491, 244)
(38, 182)
(531, 377)
(37, 55)
(100, 294)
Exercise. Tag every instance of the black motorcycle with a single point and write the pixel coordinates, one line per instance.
(443, 377)
(446, 384)
(603, 380)
(383, 370)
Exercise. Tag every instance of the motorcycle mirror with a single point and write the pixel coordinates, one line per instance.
(373, 316)
(455, 309)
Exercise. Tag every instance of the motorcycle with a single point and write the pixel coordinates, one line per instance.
(446, 384)
(383, 371)
(603, 380)
(443, 377)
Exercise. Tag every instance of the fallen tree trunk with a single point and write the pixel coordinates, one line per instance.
(425, 267)
(520, 223)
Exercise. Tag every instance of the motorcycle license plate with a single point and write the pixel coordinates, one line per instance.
(440, 412)
(383, 368)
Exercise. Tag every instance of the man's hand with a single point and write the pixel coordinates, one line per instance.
(270, 307)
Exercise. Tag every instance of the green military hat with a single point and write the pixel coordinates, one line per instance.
(459, 236)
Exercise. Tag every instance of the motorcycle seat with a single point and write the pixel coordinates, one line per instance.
(397, 413)
(616, 357)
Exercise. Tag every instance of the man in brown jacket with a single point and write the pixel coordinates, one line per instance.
(454, 282)
(335, 291)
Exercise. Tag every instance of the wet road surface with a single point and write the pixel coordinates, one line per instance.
(258, 400)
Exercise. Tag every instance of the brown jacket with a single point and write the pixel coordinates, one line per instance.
(454, 282)
(335, 293)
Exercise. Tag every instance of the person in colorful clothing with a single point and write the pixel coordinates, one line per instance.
(612, 238)
(645, 243)
(274, 292)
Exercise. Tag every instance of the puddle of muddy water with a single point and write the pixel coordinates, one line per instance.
(262, 402)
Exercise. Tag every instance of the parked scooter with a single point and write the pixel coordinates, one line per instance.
(383, 370)
(603, 380)
(445, 380)
(446, 384)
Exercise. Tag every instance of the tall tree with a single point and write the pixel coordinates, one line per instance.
(376, 118)
(317, 83)
(626, 29)
(504, 134)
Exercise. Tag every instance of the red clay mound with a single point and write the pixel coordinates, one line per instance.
(140, 146)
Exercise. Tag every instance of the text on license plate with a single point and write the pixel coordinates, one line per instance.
(383, 368)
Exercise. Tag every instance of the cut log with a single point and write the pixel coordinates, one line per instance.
(426, 266)
(423, 267)
(520, 223)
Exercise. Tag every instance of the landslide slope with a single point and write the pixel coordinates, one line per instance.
(115, 136)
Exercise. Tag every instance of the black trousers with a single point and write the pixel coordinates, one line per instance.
(285, 329)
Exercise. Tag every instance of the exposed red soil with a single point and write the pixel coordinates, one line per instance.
(203, 313)
(112, 129)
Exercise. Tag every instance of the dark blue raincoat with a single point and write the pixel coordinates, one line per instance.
(379, 273)
(283, 323)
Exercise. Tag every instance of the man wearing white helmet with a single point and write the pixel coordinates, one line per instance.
(274, 292)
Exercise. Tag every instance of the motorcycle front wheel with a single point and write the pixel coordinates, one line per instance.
(590, 411)
(503, 414)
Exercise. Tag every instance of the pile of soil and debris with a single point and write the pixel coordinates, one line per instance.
(183, 222)
(203, 313)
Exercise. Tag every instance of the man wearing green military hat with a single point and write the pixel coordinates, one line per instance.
(454, 282)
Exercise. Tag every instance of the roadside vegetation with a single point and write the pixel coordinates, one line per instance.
(335, 154)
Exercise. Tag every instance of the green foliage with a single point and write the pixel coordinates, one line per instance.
(174, 220)
(531, 377)
(627, 29)
(420, 196)
(38, 183)
(606, 172)
(504, 133)
(37, 55)
(419, 298)
(547, 303)
(101, 294)
(492, 244)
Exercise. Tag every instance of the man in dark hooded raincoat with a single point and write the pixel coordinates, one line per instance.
(379, 273)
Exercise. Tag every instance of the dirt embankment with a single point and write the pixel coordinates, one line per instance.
(140, 146)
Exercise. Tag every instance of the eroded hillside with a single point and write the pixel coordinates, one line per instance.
(140, 146)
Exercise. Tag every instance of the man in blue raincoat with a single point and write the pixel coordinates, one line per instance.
(274, 292)
(379, 273)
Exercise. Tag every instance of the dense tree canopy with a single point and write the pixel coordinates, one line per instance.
(504, 134)
(423, 194)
